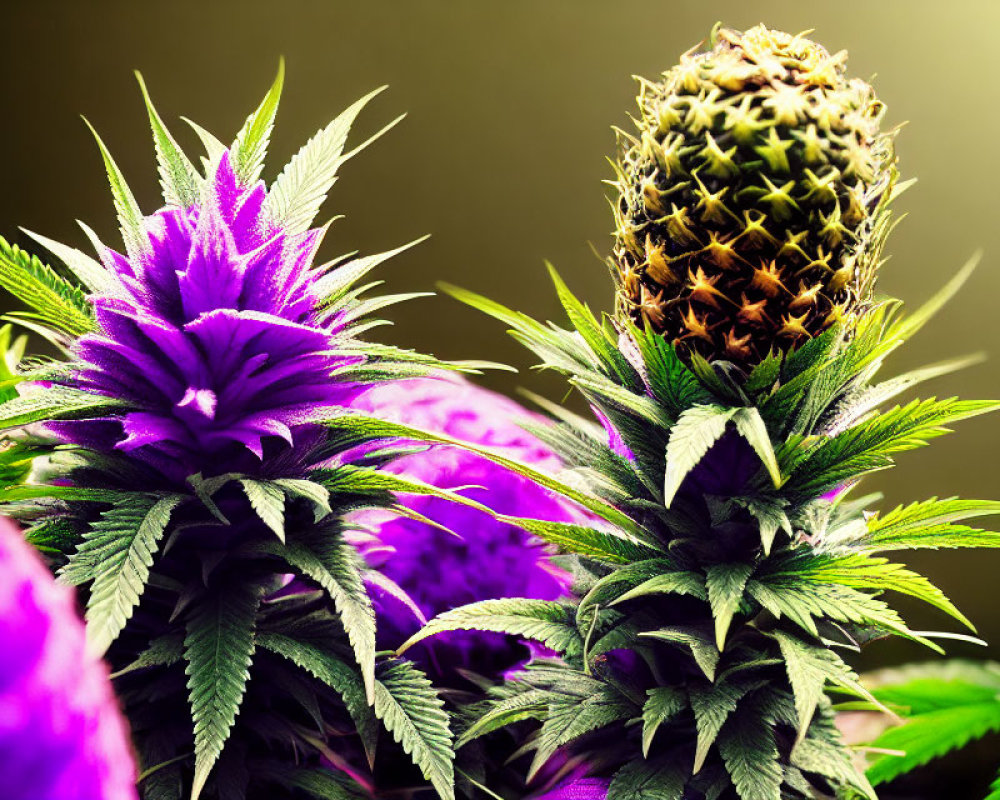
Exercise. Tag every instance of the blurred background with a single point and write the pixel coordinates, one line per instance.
(510, 106)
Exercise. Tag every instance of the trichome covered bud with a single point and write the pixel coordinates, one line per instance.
(753, 201)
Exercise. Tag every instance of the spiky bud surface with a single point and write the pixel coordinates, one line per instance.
(215, 336)
(753, 198)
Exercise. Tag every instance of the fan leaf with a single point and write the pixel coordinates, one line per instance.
(251, 143)
(296, 196)
(413, 713)
(118, 551)
(218, 649)
(697, 429)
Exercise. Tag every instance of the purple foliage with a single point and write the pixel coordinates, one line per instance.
(61, 734)
(567, 777)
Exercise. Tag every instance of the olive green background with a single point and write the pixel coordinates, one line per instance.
(502, 155)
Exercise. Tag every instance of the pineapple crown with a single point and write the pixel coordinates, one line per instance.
(753, 201)
(196, 487)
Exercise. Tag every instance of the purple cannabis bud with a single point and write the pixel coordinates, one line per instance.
(213, 332)
(482, 558)
(61, 734)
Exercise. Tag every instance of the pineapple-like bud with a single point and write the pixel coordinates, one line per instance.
(753, 201)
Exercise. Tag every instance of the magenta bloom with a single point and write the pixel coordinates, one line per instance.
(486, 559)
(61, 734)
(213, 335)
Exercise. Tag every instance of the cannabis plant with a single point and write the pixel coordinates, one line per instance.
(733, 567)
(195, 492)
